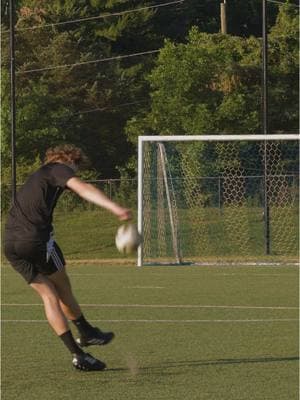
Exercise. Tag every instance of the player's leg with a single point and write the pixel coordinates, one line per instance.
(89, 335)
(68, 302)
(56, 318)
(46, 290)
(21, 256)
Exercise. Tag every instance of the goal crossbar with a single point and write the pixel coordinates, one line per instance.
(213, 138)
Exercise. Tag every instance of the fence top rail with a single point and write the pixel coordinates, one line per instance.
(205, 138)
(134, 180)
(95, 181)
(222, 177)
(109, 180)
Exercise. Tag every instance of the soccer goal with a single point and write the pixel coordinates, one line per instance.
(218, 198)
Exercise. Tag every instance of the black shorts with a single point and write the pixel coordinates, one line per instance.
(32, 258)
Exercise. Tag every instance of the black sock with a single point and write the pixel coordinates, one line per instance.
(84, 328)
(70, 343)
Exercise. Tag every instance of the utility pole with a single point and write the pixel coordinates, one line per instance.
(12, 98)
(265, 122)
(223, 17)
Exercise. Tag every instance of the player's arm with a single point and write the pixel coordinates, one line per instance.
(90, 193)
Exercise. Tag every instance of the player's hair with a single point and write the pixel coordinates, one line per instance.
(66, 153)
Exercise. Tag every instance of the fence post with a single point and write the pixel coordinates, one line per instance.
(220, 194)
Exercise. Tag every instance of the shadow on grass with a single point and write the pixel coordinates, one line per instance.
(231, 361)
(203, 363)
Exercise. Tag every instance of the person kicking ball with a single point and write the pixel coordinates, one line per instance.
(31, 249)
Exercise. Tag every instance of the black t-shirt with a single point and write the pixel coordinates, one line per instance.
(30, 218)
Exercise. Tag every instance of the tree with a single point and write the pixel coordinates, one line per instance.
(76, 104)
(90, 104)
(212, 84)
(209, 85)
(284, 71)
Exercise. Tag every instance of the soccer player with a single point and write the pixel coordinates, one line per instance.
(30, 247)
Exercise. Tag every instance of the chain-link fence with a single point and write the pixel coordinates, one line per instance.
(122, 191)
(86, 231)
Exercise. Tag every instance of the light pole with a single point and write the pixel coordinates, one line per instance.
(223, 17)
(12, 97)
(265, 122)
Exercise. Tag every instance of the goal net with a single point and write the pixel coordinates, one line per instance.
(218, 198)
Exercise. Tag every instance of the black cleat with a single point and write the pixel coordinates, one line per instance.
(97, 337)
(86, 362)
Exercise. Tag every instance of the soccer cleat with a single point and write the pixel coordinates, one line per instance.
(86, 362)
(97, 337)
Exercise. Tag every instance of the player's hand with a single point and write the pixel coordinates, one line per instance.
(124, 214)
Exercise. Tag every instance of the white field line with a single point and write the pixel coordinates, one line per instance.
(253, 274)
(144, 287)
(162, 306)
(212, 271)
(170, 321)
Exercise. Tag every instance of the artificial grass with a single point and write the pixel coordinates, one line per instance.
(234, 336)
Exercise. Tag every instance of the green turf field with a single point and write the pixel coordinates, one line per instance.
(91, 234)
(190, 333)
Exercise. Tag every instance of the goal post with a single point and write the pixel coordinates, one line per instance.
(208, 198)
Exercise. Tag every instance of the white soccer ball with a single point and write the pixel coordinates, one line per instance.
(128, 238)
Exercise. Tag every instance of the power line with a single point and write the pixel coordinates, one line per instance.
(87, 62)
(111, 107)
(97, 17)
(65, 120)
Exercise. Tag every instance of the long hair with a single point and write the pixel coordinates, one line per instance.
(66, 153)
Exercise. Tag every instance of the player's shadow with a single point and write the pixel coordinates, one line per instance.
(226, 361)
(204, 363)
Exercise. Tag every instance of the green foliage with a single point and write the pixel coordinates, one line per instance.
(208, 85)
(284, 70)
(212, 83)
(5, 119)
(74, 104)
